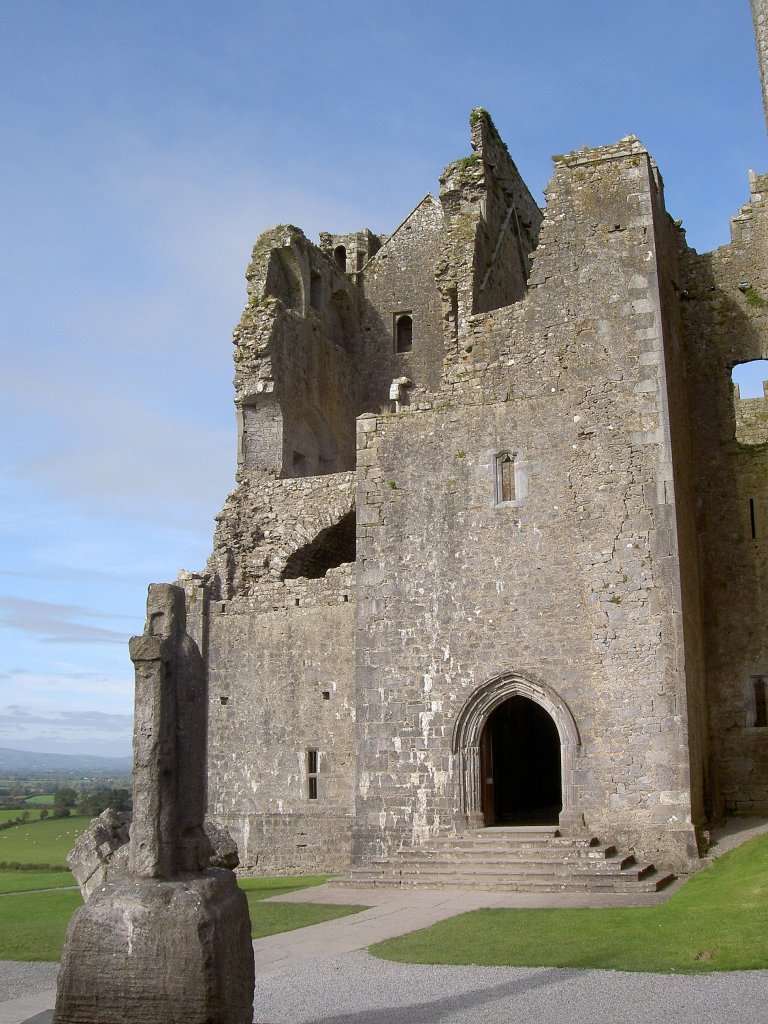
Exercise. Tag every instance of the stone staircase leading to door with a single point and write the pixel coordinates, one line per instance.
(523, 859)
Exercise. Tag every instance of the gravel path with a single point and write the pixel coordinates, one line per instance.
(355, 988)
(23, 979)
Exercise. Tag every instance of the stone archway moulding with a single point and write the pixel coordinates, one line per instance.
(469, 728)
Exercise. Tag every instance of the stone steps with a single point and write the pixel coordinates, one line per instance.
(510, 860)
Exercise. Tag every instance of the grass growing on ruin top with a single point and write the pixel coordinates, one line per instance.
(718, 921)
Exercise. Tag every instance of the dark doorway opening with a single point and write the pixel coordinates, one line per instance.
(520, 765)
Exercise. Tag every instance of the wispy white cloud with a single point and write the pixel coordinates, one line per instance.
(60, 731)
(57, 623)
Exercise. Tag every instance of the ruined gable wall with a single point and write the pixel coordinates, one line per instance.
(296, 388)
(281, 682)
(401, 279)
(492, 226)
(726, 322)
(575, 586)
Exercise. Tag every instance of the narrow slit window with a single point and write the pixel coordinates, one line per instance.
(505, 477)
(312, 773)
(403, 332)
(761, 706)
(752, 518)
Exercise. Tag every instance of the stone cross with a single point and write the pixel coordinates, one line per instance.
(169, 737)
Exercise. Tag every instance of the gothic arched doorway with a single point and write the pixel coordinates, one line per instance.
(520, 765)
(472, 725)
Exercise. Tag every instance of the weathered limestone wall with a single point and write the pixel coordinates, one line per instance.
(760, 18)
(726, 322)
(401, 279)
(281, 683)
(751, 418)
(574, 585)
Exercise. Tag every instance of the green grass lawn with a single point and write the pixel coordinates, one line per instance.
(718, 921)
(271, 918)
(33, 924)
(32, 881)
(41, 842)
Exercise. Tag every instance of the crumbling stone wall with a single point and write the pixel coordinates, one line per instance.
(266, 522)
(492, 226)
(295, 389)
(726, 322)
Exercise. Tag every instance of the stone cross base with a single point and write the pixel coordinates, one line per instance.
(143, 951)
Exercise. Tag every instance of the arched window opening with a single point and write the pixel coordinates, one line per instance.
(403, 332)
(331, 548)
(520, 765)
(340, 257)
(750, 402)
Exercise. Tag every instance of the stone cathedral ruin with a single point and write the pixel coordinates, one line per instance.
(497, 550)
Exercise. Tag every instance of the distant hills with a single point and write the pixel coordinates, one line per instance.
(80, 764)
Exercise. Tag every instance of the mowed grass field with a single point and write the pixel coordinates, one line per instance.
(718, 921)
(41, 842)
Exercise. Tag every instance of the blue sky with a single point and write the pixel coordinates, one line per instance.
(146, 145)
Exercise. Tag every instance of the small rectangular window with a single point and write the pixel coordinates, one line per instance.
(312, 773)
(505, 477)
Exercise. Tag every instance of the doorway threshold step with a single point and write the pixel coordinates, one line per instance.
(477, 860)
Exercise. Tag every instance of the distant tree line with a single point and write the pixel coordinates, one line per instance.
(67, 801)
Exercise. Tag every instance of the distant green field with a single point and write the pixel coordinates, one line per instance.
(34, 881)
(13, 815)
(41, 842)
(44, 800)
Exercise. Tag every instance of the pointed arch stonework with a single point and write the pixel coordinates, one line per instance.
(469, 728)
